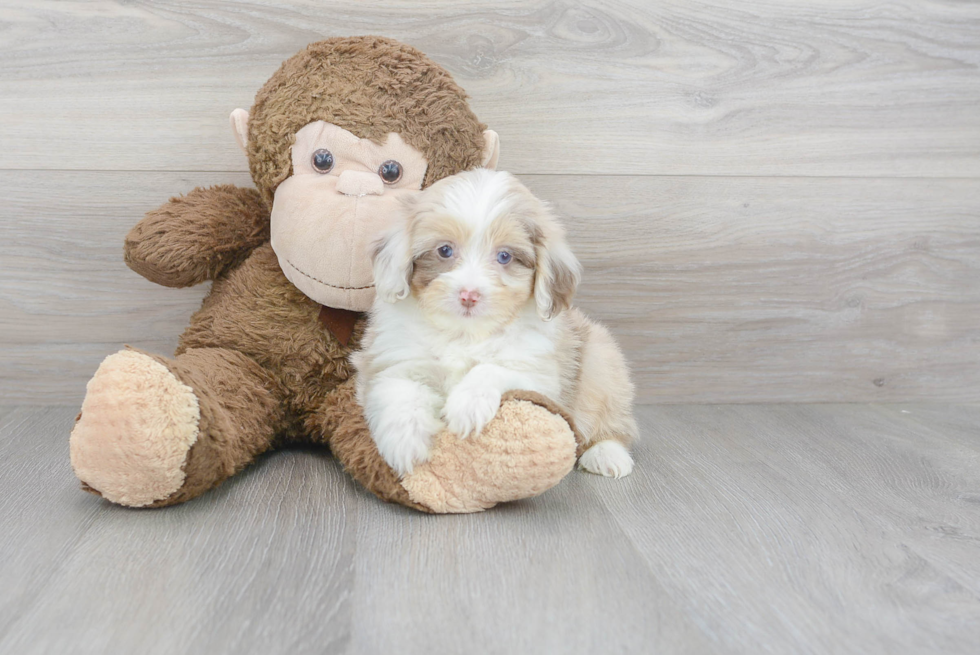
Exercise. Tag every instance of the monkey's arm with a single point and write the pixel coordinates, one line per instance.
(194, 238)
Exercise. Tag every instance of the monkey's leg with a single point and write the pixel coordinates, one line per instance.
(525, 450)
(155, 431)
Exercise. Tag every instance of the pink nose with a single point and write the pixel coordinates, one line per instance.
(468, 298)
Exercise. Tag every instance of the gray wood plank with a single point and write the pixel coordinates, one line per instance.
(549, 575)
(261, 565)
(816, 87)
(42, 511)
(945, 529)
(777, 290)
(744, 529)
(719, 289)
(959, 423)
(799, 528)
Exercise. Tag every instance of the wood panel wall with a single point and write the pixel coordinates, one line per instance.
(773, 201)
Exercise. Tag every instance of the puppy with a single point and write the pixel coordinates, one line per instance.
(473, 292)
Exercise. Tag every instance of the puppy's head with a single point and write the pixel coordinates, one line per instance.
(474, 249)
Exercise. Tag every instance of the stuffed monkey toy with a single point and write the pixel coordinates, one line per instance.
(336, 137)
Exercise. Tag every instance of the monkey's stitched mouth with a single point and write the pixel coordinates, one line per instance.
(326, 284)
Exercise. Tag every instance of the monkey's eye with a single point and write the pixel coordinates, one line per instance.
(390, 171)
(445, 251)
(322, 160)
(504, 257)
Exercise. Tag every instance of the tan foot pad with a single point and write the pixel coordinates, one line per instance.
(524, 451)
(137, 424)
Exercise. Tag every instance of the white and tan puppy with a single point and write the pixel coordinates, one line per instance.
(473, 293)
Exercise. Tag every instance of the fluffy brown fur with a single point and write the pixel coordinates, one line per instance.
(406, 93)
(197, 237)
(262, 367)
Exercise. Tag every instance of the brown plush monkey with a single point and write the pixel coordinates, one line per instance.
(337, 134)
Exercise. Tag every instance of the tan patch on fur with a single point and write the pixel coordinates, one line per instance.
(557, 271)
(137, 424)
(602, 399)
(563, 282)
(510, 298)
(432, 230)
(428, 267)
(429, 231)
(509, 232)
(524, 451)
(515, 287)
(431, 296)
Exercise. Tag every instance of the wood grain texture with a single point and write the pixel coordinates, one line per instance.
(260, 567)
(744, 529)
(719, 289)
(820, 87)
(854, 508)
(788, 290)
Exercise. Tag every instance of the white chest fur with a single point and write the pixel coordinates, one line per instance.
(401, 337)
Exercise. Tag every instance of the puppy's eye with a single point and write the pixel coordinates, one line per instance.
(390, 171)
(445, 251)
(504, 257)
(322, 160)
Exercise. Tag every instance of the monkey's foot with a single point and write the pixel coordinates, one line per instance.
(525, 450)
(137, 425)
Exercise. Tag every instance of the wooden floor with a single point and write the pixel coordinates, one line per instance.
(745, 529)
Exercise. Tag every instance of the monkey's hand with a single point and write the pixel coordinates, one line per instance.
(196, 237)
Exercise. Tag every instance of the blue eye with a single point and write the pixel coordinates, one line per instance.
(445, 252)
(504, 257)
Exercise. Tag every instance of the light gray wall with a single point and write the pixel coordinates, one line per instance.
(772, 203)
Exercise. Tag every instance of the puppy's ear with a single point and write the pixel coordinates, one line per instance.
(392, 259)
(557, 271)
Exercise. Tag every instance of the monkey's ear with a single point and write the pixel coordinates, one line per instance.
(392, 259)
(239, 125)
(491, 149)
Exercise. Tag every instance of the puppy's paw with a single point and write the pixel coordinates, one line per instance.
(404, 441)
(608, 458)
(468, 410)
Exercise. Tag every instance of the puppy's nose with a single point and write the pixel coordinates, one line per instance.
(469, 298)
(360, 183)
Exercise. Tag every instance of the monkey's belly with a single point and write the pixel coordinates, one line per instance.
(256, 311)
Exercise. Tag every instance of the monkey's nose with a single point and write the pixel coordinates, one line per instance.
(360, 183)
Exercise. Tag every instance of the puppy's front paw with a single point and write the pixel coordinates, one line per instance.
(468, 410)
(608, 458)
(404, 441)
